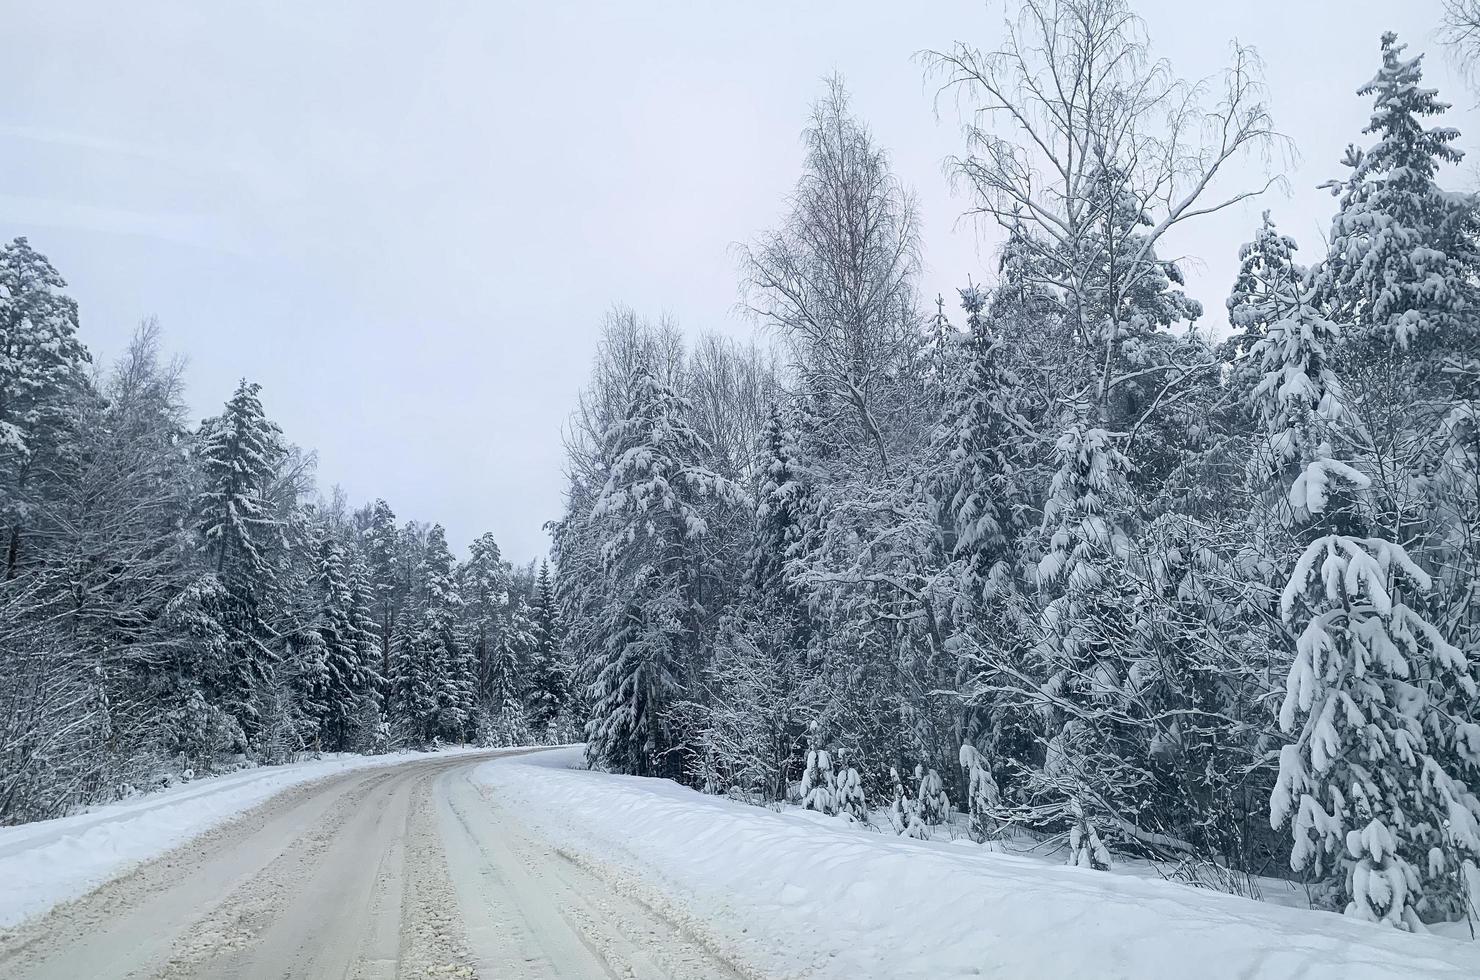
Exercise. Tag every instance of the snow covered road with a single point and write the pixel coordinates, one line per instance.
(398, 871)
(517, 866)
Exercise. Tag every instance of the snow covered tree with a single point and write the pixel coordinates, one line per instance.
(982, 796)
(652, 528)
(756, 724)
(239, 454)
(1093, 768)
(852, 802)
(41, 369)
(1086, 849)
(432, 679)
(1267, 276)
(980, 438)
(838, 279)
(367, 726)
(1404, 255)
(1087, 179)
(907, 810)
(1373, 783)
(548, 683)
(345, 680)
(935, 805)
(819, 783)
(1403, 274)
(485, 592)
(389, 586)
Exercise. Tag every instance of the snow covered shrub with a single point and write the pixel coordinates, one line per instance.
(904, 812)
(982, 796)
(935, 806)
(819, 786)
(506, 727)
(852, 804)
(1085, 847)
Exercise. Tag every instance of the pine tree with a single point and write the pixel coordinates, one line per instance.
(1373, 783)
(1093, 768)
(819, 783)
(935, 805)
(383, 561)
(344, 679)
(852, 803)
(548, 684)
(433, 679)
(239, 455)
(651, 525)
(1404, 258)
(1267, 276)
(982, 794)
(41, 369)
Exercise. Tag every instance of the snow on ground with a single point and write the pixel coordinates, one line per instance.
(51, 861)
(801, 895)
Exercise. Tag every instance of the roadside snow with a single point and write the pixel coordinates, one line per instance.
(800, 895)
(51, 861)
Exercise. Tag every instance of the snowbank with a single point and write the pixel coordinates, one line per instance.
(801, 895)
(51, 861)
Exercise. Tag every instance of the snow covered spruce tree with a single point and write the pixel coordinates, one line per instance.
(1403, 273)
(1089, 773)
(432, 682)
(1373, 782)
(757, 719)
(381, 543)
(819, 788)
(239, 453)
(175, 600)
(652, 530)
(1403, 253)
(497, 638)
(549, 684)
(348, 677)
(41, 371)
(1267, 276)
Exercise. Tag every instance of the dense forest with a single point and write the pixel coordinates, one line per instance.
(177, 599)
(1075, 560)
(1065, 555)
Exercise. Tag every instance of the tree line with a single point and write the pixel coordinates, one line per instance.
(1067, 561)
(177, 599)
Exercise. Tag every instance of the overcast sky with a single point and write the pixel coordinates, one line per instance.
(406, 220)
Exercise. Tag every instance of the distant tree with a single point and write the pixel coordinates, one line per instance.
(41, 371)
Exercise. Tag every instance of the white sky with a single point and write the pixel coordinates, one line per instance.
(406, 220)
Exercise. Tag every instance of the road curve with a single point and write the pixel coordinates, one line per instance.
(413, 870)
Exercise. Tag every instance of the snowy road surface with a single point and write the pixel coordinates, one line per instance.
(518, 865)
(406, 871)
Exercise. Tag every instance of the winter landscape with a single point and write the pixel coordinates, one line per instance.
(1026, 523)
